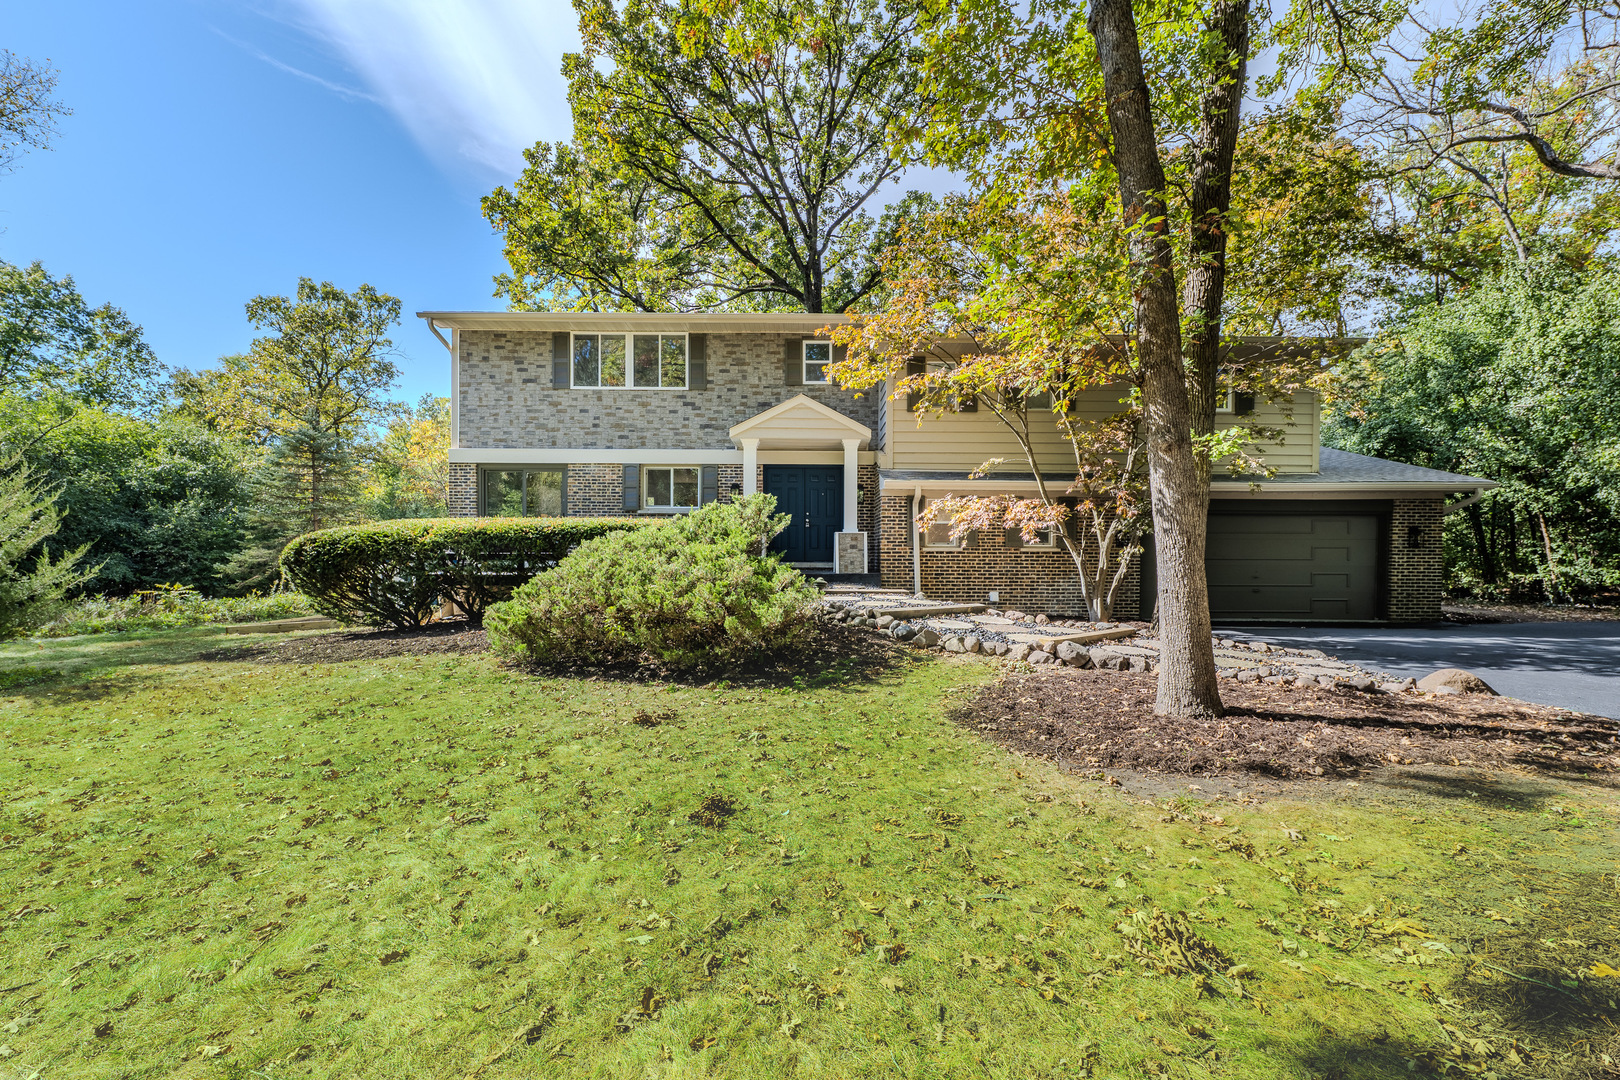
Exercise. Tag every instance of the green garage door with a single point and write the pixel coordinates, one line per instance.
(1310, 567)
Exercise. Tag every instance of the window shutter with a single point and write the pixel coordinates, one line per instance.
(1242, 403)
(1015, 540)
(793, 362)
(561, 377)
(632, 488)
(840, 353)
(968, 404)
(915, 366)
(710, 485)
(970, 541)
(697, 361)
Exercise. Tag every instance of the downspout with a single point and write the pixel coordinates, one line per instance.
(916, 542)
(1463, 504)
(442, 339)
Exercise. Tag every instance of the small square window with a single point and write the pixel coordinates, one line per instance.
(817, 355)
(938, 536)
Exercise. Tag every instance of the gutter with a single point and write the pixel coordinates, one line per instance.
(1463, 504)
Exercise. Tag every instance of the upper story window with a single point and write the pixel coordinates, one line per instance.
(630, 361)
(817, 355)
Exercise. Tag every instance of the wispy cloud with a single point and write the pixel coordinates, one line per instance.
(347, 93)
(473, 79)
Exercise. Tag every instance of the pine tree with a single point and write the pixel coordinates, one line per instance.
(32, 584)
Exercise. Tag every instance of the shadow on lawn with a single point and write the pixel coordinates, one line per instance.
(1498, 793)
(830, 655)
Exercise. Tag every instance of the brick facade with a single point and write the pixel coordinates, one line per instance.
(595, 490)
(463, 493)
(1415, 560)
(507, 399)
(1032, 581)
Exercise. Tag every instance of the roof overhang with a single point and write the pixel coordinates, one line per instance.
(608, 322)
(800, 423)
(1298, 489)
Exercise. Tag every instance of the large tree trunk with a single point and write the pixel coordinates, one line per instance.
(1210, 200)
(1187, 686)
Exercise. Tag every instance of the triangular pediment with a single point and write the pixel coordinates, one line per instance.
(801, 423)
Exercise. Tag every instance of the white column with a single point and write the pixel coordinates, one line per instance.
(750, 449)
(852, 465)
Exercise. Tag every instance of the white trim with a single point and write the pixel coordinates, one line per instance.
(455, 387)
(630, 360)
(800, 323)
(750, 466)
(666, 508)
(746, 428)
(804, 361)
(852, 462)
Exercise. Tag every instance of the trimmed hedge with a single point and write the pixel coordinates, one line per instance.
(693, 595)
(396, 573)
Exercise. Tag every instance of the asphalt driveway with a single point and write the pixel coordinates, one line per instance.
(1574, 665)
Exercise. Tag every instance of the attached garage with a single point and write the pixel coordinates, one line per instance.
(1308, 565)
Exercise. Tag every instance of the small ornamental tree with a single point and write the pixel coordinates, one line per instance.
(32, 584)
(972, 314)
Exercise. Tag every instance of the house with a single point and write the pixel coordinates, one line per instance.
(645, 413)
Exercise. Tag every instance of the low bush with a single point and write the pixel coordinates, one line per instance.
(397, 573)
(170, 607)
(695, 594)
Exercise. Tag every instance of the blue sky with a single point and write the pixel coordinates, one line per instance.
(221, 149)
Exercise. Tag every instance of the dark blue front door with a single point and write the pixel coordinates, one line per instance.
(813, 496)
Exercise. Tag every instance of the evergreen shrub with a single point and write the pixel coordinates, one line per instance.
(695, 594)
(397, 573)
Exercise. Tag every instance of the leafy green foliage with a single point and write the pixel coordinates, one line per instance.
(28, 106)
(169, 607)
(723, 157)
(397, 573)
(151, 501)
(1516, 380)
(691, 595)
(32, 584)
(54, 344)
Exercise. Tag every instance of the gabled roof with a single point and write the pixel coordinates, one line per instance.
(800, 423)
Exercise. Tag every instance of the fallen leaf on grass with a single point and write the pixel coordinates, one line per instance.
(1604, 971)
(103, 1029)
(888, 982)
(791, 1026)
(701, 1043)
(209, 1051)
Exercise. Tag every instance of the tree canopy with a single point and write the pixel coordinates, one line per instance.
(725, 157)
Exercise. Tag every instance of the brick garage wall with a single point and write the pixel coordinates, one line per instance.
(1031, 581)
(866, 516)
(463, 493)
(507, 399)
(1416, 560)
(595, 491)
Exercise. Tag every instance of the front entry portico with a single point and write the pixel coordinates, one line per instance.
(798, 435)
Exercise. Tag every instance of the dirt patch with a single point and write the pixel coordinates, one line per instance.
(1091, 721)
(341, 646)
(1515, 613)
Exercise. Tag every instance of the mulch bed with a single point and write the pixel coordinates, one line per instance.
(339, 646)
(1090, 721)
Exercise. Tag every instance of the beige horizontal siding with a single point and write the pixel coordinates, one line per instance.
(964, 441)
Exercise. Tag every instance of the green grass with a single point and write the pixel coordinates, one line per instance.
(438, 867)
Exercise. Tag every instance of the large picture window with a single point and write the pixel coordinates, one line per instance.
(523, 493)
(630, 361)
(674, 488)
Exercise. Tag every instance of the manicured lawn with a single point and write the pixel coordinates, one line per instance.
(433, 866)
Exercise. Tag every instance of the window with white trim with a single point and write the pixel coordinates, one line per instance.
(817, 355)
(938, 535)
(629, 361)
(671, 488)
(1226, 403)
(1045, 540)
